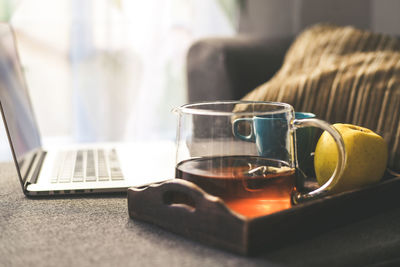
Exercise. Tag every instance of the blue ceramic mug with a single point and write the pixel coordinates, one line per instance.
(268, 133)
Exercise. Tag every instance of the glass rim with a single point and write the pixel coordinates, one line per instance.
(190, 108)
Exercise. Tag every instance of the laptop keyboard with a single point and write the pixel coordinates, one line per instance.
(87, 166)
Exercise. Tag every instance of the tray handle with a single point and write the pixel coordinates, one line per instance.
(175, 194)
(183, 207)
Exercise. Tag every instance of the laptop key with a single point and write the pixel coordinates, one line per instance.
(66, 172)
(116, 174)
(117, 177)
(115, 170)
(78, 171)
(77, 179)
(102, 169)
(90, 167)
(57, 167)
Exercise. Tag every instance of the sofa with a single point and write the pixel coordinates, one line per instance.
(231, 68)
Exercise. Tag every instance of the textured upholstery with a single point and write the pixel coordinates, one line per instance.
(96, 231)
(228, 68)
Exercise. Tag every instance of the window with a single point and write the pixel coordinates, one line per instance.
(111, 70)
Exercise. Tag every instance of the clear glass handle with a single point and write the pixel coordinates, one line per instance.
(337, 174)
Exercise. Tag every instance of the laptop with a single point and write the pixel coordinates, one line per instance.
(69, 169)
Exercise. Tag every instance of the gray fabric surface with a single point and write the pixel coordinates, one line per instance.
(229, 68)
(96, 231)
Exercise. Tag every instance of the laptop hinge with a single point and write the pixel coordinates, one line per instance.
(35, 168)
(28, 168)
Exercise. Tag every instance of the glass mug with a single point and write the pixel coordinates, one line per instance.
(245, 153)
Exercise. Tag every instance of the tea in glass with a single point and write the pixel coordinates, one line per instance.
(250, 185)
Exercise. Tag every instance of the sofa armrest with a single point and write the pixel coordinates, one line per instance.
(228, 68)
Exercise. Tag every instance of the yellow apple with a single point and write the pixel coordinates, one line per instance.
(367, 156)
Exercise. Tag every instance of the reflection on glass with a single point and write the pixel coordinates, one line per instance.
(14, 99)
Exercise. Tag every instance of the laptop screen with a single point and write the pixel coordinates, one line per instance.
(15, 102)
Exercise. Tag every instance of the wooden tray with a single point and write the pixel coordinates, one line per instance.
(182, 207)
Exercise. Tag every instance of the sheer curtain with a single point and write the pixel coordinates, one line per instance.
(105, 70)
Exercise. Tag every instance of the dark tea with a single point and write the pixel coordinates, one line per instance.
(250, 185)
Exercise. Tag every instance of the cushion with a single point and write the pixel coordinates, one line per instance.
(342, 74)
